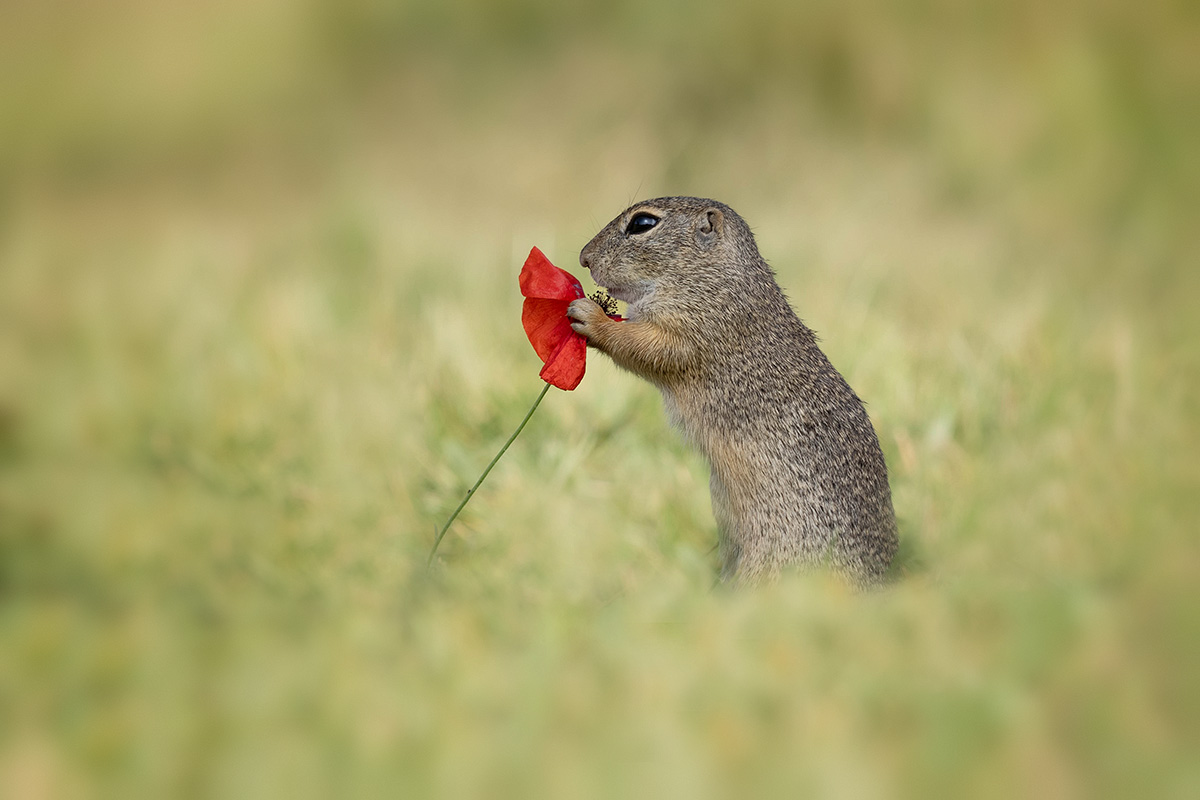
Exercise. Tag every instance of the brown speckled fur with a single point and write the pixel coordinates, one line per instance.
(797, 474)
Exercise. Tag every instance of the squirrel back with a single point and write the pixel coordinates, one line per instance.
(798, 477)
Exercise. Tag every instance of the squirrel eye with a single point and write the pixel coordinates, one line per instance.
(641, 223)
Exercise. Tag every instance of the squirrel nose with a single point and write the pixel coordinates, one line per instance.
(584, 262)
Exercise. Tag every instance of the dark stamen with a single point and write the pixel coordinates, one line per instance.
(604, 301)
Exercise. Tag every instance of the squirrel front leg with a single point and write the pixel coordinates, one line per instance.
(643, 347)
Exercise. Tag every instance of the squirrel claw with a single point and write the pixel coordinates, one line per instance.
(584, 313)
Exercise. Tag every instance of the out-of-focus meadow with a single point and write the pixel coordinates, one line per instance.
(259, 332)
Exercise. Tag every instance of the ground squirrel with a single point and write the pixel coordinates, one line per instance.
(797, 474)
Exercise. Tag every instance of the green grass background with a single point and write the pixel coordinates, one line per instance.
(259, 331)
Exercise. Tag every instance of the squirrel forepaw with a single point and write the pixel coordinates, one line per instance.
(585, 315)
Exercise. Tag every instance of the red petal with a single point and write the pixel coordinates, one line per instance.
(548, 291)
(539, 278)
(565, 368)
(546, 325)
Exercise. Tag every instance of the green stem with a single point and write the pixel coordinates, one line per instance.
(471, 491)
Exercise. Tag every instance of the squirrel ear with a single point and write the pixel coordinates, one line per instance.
(712, 225)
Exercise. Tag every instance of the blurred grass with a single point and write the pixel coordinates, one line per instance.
(258, 333)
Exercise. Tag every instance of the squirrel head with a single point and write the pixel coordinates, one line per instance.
(674, 251)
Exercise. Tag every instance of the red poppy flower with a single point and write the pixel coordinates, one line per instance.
(548, 291)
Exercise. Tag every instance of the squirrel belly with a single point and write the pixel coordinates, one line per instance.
(798, 477)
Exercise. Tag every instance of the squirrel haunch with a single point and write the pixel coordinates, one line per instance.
(798, 477)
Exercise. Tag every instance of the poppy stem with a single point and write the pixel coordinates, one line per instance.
(471, 491)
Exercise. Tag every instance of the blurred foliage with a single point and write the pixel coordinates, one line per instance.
(258, 333)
